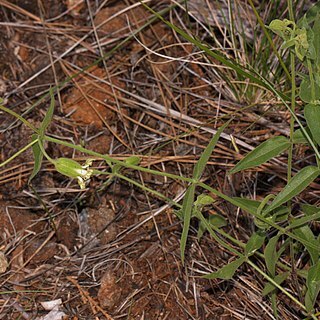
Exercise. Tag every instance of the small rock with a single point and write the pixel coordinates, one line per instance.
(98, 219)
(109, 292)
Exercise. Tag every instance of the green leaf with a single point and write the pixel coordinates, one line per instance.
(247, 205)
(313, 285)
(301, 44)
(48, 117)
(281, 28)
(217, 221)
(312, 115)
(38, 156)
(296, 185)
(228, 271)
(203, 200)
(188, 202)
(304, 220)
(306, 238)
(305, 92)
(299, 137)
(309, 209)
(252, 206)
(316, 41)
(269, 287)
(133, 160)
(254, 243)
(264, 152)
(270, 255)
(186, 211)
(214, 220)
(205, 156)
(310, 15)
(243, 204)
(37, 153)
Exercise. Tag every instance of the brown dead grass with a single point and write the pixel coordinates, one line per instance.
(137, 102)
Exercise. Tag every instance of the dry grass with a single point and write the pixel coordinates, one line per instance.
(156, 97)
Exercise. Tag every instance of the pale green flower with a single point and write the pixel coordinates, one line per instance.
(73, 169)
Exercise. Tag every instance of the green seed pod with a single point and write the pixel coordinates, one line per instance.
(69, 168)
(73, 169)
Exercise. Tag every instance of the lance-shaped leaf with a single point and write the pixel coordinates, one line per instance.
(269, 287)
(227, 272)
(186, 210)
(48, 117)
(271, 256)
(313, 285)
(255, 243)
(37, 153)
(296, 185)
(264, 152)
(306, 235)
(188, 201)
(38, 156)
(205, 156)
(304, 220)
(312, 115)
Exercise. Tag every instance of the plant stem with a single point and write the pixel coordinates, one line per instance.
(312, 83)
(26, 122)
(45, 152)
(288, 294)
(181, 178)
(29, 145)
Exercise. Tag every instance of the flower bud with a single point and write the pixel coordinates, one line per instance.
(73, 169)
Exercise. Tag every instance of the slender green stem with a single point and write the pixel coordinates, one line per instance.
(293, 99)
(45, 152)
(115, 161)
(29, 145)
(240, 255)
(261, 23)
(181, 178)
(290, 150)
(26, 122)
(156, 193)
(210, 228)
(312, 83)
(288, 294)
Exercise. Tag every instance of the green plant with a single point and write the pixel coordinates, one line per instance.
(302, 39)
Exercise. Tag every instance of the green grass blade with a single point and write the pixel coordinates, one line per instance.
(202, 162)
(271, 256)
(214, 54)
(304, 220)
(37, 155)
(186, 211)
(48, 117)
(269, 287)
(296, 185)
(254, 243)
(306, 234)
(228, 271)
(264, 152)
(312, 115)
